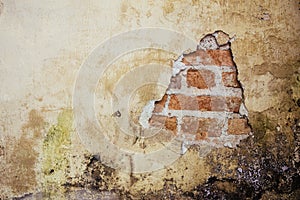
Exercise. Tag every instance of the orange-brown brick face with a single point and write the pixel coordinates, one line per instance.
(164, 122)
(201, 79)
(209, 57)
(200, 127)
(171, 124)
(182, 102)
(238, 126)
(229, 79)
(174, 103)
(229, 104)
(233, 104)
(205, 103)
(221, 57)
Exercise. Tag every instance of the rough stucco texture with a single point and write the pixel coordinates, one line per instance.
(43, 45)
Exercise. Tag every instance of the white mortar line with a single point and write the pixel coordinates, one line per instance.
(213, 67)
(199, 114)
(166, 106)
(225, 127)
(215, 91)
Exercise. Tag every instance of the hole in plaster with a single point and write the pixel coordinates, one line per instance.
(204, 97)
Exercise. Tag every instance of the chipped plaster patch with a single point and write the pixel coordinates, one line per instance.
(146, 114)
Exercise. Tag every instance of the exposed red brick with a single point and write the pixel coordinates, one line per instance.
(205, 103)
(174, 103)
(229, 79)
(195, 79)
(182, 102)
(216, 103)
(213, 127)
(209, 57)
(201, 79)
(238, 126)
(221, 57)
(159, 105)
(175, 82)
(171, 124)
(198, 57)
(209, 127)
(159, 121)
(229, 104)
(233, 104)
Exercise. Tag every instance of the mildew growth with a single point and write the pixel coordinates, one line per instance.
(56, 147)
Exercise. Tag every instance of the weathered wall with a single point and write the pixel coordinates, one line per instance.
(43, 45)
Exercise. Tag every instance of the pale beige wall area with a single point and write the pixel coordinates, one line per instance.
(43, 45)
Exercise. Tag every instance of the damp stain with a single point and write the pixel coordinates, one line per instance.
(35, 124)
(18, 168)
(22, 176)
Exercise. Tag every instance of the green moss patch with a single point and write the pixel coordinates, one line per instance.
(56, 148)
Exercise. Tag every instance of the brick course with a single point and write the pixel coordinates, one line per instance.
(205, 103)
(209, 127)
(201, 79)
(209, 57)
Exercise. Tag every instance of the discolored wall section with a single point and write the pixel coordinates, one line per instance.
(43, 46)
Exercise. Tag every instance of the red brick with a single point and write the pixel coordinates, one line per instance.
(201, 79)
(182, 102)
(213, 127)
(159, 105)
(233, 104)
(229, 104)
(238, 126)
(174, 103)
(157, 121)
(221, 57)
(229, 79)
(202, 127)
(209, 57)
(205, 103)
(168, 123)
(171, 124)
(175, 82)
(219, 103)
